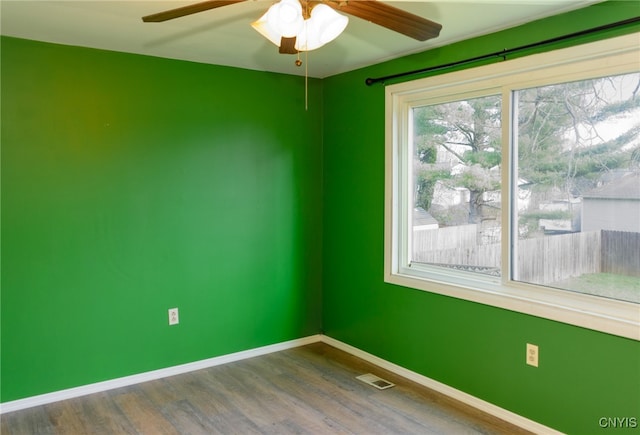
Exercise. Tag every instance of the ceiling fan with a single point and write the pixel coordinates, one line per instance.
(304, 25)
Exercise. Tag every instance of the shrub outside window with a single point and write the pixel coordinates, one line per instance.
(518, 185)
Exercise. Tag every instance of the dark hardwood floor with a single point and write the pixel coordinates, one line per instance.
(307, 390)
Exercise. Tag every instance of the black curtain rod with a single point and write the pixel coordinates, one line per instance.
(505, 52)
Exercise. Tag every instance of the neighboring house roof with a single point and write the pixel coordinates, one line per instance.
(626, 187)
(422, 217)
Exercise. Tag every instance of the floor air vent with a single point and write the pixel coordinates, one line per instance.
(377, 382)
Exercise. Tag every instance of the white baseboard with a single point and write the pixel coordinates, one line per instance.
(83, 390)
(97, 387)
(461, 396)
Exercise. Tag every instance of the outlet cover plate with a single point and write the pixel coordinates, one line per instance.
(174, 318)
(532, 355)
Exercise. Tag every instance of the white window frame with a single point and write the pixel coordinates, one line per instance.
(607, 57)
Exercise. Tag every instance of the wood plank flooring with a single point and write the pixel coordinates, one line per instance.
(307, 390)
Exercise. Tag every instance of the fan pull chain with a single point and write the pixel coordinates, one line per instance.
(306, 74)
(306, 77)
(298, 63)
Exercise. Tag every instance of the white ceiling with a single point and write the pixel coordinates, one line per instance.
(224, 36)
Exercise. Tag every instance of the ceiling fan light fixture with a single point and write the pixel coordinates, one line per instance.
(284, 19)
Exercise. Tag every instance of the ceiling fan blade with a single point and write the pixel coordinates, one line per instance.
(390, 17)
(187, 10)
(288, 45)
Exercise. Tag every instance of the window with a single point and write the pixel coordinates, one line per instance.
(518, 185)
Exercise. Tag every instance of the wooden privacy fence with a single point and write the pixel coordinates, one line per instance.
(620, 253)
(477, 255)
(461, 236)
(454, 246)
(542, 260)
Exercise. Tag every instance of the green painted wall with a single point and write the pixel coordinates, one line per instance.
(131, 185)
(583, 376)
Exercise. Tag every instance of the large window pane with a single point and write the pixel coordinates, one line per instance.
(455, 216)
(577, 196)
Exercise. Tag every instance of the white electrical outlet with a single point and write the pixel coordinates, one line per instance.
(532, 355)
(173, 316)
